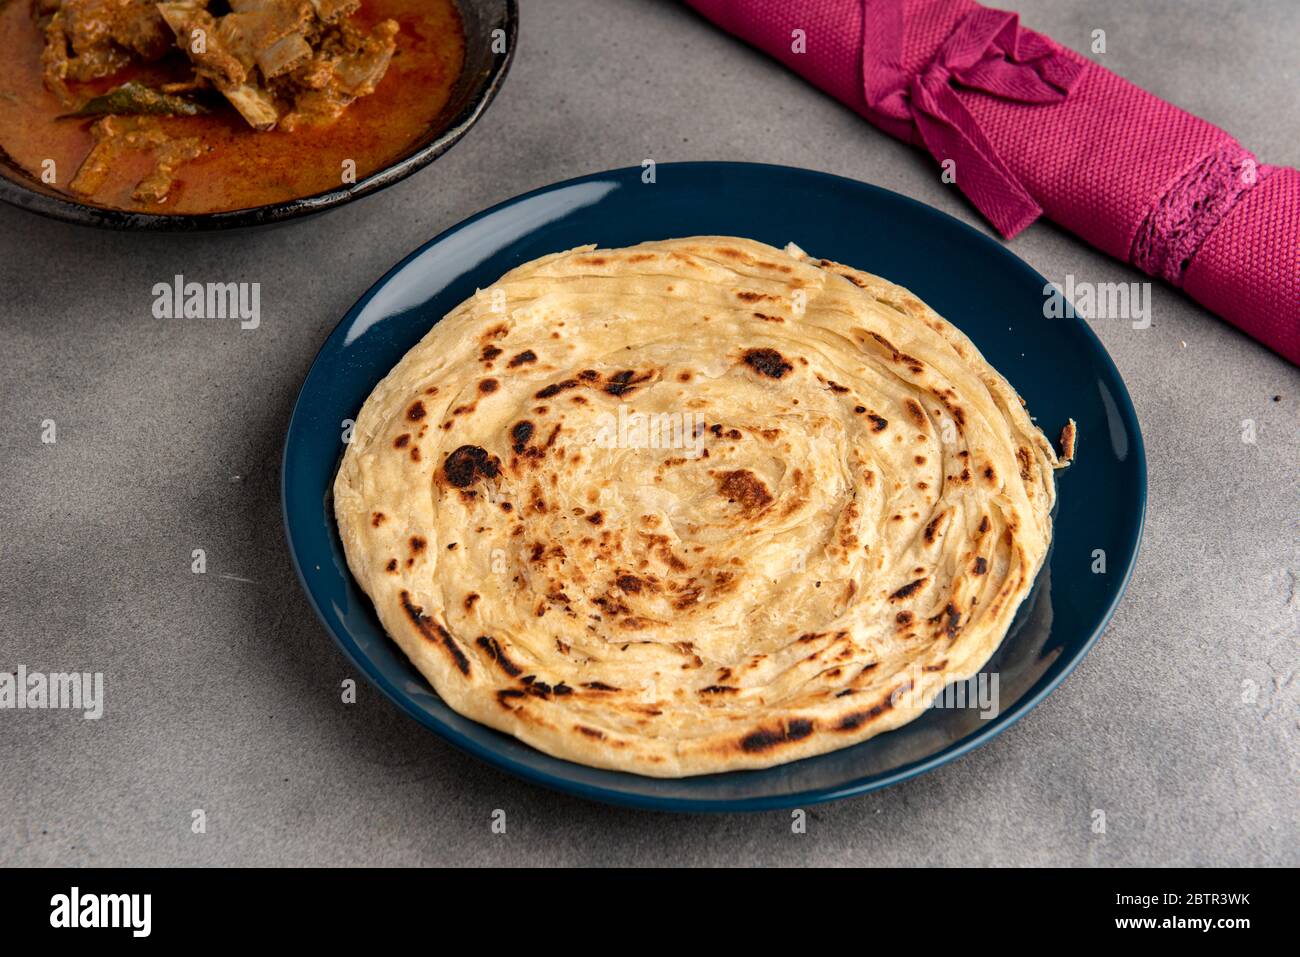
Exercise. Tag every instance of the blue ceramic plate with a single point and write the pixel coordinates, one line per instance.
(1056, 364)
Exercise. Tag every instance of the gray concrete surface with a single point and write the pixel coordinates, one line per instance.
(223, 690)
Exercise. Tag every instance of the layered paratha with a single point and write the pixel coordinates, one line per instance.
(695, 505)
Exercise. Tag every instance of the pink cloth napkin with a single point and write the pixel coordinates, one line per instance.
(1032, 128)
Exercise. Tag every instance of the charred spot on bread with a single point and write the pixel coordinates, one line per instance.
(522, 358)
(742, 487)
(766, 739)
(520, 433)
(767, 362)
(911, 588)
(468, 463)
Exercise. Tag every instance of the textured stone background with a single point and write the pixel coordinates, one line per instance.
(223, 692)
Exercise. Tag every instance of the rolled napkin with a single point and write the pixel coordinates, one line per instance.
(1029, 128)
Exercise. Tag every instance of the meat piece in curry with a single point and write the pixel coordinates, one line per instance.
(196, 71)
(116, 134)
(88, 39)
(280, 60)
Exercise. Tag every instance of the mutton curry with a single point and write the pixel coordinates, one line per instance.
(197, 106)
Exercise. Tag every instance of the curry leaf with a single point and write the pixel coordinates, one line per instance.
(136, 98)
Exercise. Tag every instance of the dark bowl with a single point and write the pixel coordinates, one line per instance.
(477, 84)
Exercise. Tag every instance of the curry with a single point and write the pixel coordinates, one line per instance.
(200, 106)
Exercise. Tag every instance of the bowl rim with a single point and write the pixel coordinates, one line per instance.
(62, 208)
(1044, 686)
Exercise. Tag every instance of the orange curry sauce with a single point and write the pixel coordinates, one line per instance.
(239, 167)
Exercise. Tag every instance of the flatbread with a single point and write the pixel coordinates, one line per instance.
(695, 505)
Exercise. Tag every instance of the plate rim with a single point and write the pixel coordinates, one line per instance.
(996, 726)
